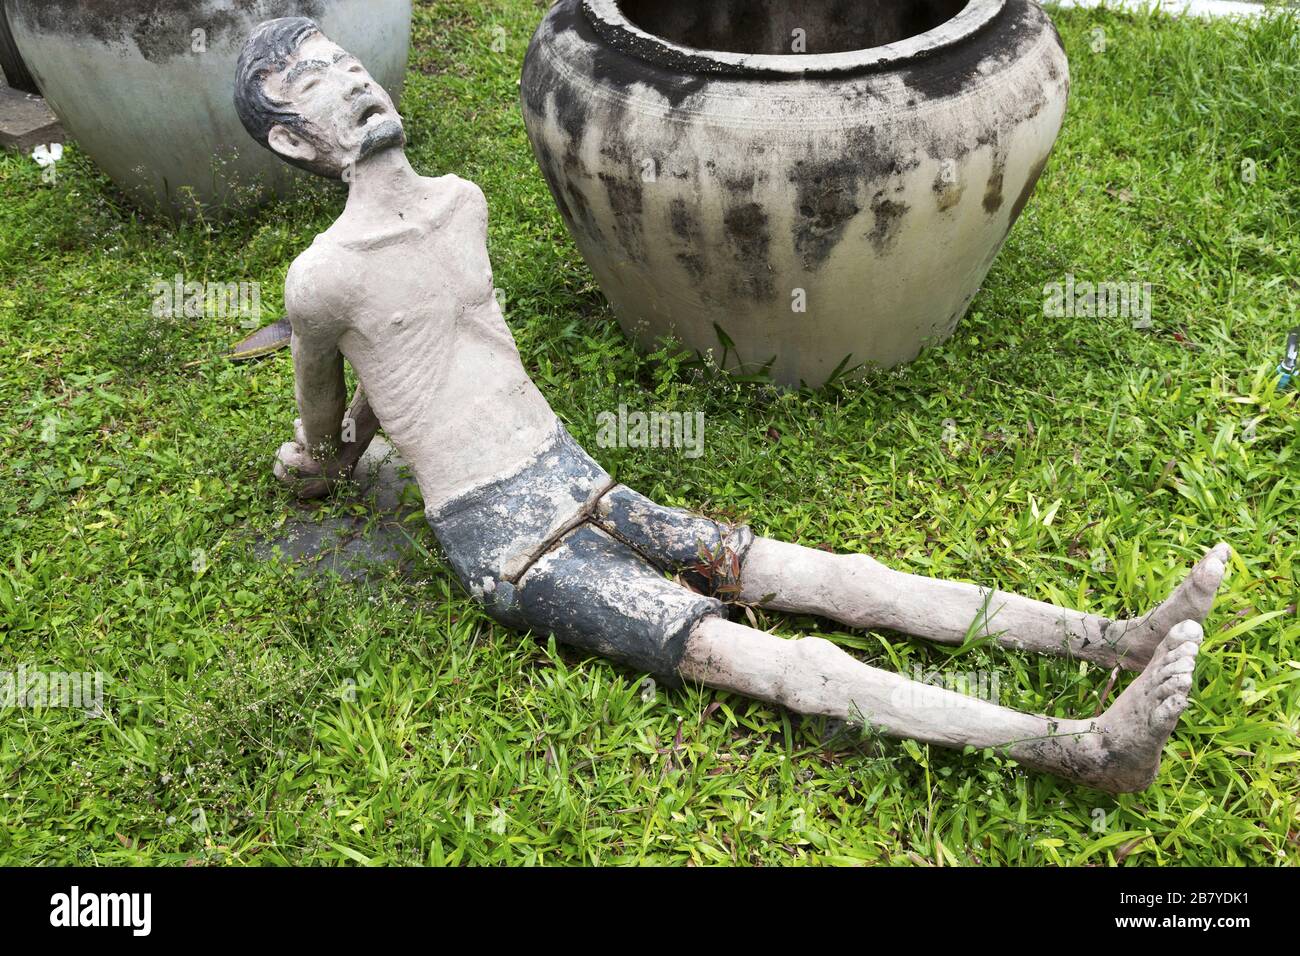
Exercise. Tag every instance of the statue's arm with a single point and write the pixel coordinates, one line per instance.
(319, 454)
(321, 393)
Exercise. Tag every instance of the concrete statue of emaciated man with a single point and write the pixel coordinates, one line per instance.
(401, 287)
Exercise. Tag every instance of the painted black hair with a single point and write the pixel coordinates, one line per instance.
(268, 51)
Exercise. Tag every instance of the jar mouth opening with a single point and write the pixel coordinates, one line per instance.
(822, 37)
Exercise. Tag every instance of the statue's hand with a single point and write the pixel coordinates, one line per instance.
(310, 476)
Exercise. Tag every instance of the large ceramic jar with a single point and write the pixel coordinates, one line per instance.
(146, 87)
(803, 180)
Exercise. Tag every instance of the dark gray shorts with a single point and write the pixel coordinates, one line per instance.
(559, 548)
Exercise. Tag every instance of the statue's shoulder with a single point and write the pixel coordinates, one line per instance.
(451, 184)
(314, 289)
(312, 267)
(460, 192)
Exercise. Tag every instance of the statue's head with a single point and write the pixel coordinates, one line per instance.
(310, 101)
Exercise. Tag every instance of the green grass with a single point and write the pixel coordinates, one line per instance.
(256, 717)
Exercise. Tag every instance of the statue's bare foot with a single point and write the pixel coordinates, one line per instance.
(1137, 725)
(1135, 641)
(1120, 751)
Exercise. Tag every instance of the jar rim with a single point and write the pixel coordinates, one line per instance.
(613, 26)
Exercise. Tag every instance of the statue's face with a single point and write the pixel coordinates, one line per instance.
(346, 115)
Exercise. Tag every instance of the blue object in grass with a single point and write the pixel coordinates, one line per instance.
(1287, 370)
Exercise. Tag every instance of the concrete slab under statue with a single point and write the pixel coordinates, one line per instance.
(356, 546)
(548, 541)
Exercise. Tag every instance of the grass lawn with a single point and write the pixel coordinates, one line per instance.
(258, 717)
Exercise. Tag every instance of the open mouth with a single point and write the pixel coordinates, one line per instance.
(370, 112)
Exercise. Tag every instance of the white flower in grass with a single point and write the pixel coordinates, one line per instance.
(47, 155)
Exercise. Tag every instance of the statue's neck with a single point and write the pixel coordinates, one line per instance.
(384, 181)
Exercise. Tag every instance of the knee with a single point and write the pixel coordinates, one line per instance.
(865, 570)
(817, 653)
(866, 590)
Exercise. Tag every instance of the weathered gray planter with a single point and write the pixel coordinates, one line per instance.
(713, 179)
(150, 99)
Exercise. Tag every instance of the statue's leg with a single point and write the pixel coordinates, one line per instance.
(1118, 751)
(861, 592)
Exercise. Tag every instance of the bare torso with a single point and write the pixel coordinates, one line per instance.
(408, 299)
